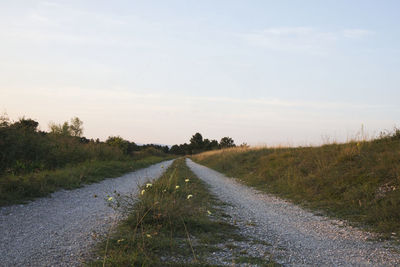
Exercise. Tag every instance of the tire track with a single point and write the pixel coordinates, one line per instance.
(62, 229)
(297, 237)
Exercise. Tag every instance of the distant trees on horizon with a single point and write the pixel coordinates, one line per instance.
(74, 128)
(198, 144)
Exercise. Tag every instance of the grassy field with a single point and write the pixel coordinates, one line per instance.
(20, 188)
(174, 222)
(357, 181)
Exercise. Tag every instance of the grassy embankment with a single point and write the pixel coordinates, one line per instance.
(174, 222)
(17, 188)
(357, 181)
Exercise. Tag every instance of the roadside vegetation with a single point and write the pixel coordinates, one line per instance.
(174, 221)
(23, 187)
(358, 181)
(34, 163)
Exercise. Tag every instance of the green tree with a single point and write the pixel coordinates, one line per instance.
(26, 124)
(213, 144)
(61, 129)
(75, 127)
(66, 129)
(119, 142)
(196, 142)
(4, 120)
(227, 142)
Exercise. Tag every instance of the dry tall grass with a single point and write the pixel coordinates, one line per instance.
(359, 180)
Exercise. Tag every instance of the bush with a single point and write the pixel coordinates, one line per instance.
(24, 149)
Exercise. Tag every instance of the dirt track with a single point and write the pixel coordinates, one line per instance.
(297, 237)
(62, 229)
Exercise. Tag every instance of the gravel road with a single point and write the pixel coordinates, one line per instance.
(62, 229)
(297, 237)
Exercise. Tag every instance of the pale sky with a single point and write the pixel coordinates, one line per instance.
(261, 72)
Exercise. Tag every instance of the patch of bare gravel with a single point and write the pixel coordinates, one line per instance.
(296, 236)
(62, 229)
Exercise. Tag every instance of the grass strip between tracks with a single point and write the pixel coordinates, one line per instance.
(175, 221)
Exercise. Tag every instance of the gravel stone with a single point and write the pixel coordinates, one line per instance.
(297, 237)
(61, 230)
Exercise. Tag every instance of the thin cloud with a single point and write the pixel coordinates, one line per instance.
(356, 33)
(300, 39)
(51, 4)
(288, 31)
(274, 102)
(38, 17)
(296, 39)
(121, 94)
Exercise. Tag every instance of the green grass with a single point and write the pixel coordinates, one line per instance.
(165, 227)
(357, 181)
(20, 188)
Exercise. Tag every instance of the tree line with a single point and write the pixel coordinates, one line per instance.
(24, 148)
(198, 144)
